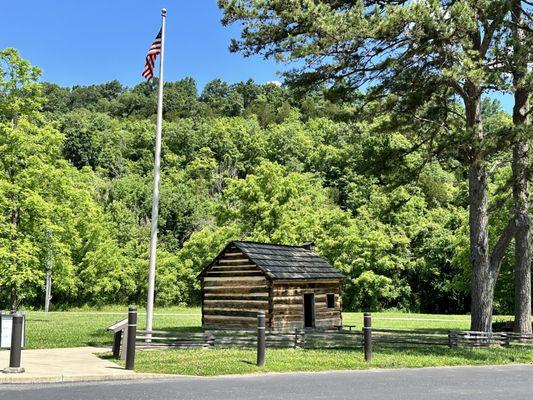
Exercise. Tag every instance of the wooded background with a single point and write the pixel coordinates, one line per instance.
(377, 179)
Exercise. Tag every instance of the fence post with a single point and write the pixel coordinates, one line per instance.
(505, 339)
(451, 340)
(117, 338)
(16, 345)
(299, 338)
(367, 336)
(132, 336)
(124, 343)
(260, 338)
(209, 338)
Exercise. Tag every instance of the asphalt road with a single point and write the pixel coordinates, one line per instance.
(472, 383)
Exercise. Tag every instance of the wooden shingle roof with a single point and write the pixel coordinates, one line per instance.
(287, 262)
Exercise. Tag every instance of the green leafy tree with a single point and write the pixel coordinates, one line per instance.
(374, 182)
(94, 97)
(180, 99)
(428, 47)
(40, 191)
(57, 98)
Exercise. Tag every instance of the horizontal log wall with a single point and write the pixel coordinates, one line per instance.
(233, 291)
(287, 306)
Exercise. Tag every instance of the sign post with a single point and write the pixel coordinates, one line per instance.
(17, 323)
(6, 329)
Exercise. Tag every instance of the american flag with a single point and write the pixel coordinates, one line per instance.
(155, 50)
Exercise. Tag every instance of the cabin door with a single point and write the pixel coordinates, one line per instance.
(309, 310)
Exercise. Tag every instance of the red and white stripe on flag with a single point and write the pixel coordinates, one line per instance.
(153, 52)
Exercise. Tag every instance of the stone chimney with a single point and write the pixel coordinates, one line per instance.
(308, 246)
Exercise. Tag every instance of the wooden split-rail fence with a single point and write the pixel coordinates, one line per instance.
(328, 339)
(125, 342)
(244, 339)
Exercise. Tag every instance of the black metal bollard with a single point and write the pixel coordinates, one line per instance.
(367, 336)
(261, 338)
(16, 345)
(132, 335)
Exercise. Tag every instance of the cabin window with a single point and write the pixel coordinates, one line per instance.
(330, 298)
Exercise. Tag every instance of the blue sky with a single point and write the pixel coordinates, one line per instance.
(80, 42)
(86, 42)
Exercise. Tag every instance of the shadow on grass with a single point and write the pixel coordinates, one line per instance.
(106, 356)
(91, 343)
(45, 320)
(470, 354)
(106, 338)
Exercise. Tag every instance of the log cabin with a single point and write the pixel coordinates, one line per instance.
(294, 286)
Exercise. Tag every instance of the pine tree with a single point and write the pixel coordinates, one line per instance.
(521, 23)
(423, 46)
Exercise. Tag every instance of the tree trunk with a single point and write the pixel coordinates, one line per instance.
(482, 279)
(520, 176)
(14, 297)
(522, 239)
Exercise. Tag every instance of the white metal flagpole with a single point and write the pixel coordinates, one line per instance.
(155, 196)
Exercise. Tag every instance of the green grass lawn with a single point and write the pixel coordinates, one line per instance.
(84, 327)
(222, 362)
(88, 328)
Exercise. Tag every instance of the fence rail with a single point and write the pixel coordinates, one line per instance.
(173, 339)
(343, 337)
(409, 338)
(517, 339)
(478, 339)
(127, 338)
(248, 339)
(328, 339)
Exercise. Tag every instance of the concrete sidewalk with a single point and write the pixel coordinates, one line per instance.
(77, 364)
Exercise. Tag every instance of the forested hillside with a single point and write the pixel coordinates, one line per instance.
(246, 160)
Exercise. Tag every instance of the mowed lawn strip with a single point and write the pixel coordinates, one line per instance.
(88, 327)
(227, 362)
(396, 320)
(84, 327)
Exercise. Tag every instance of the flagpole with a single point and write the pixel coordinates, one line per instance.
(155, 196)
